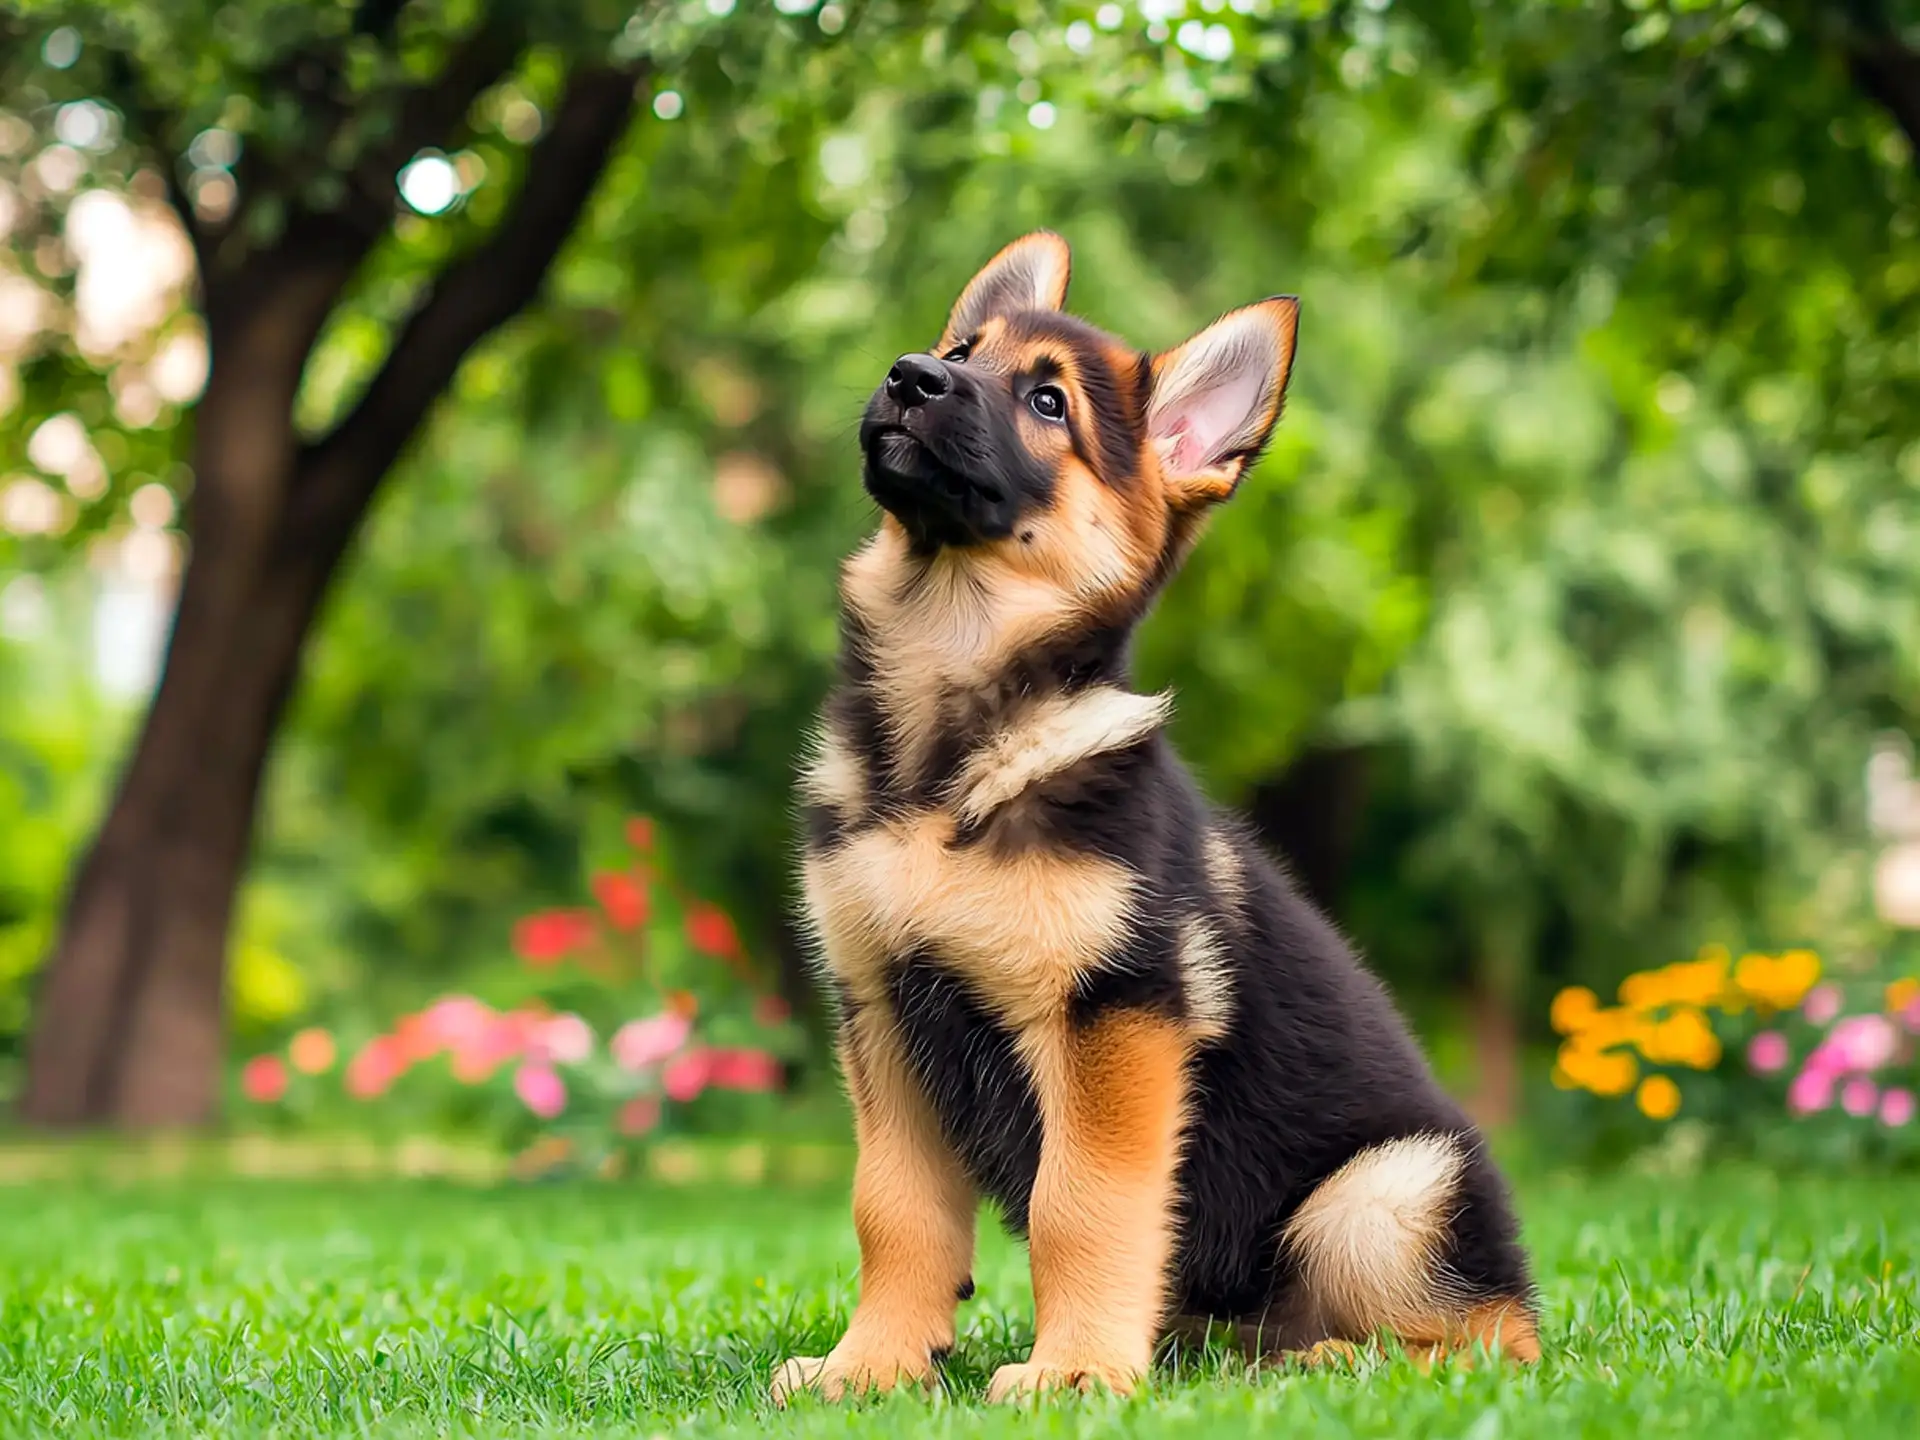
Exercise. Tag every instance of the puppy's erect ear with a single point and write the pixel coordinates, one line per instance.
(1030, 274)
(1216, 398)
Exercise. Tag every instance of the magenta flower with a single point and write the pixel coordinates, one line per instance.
(540, 1090)
(1859, 1095)
(1811, 1090)
(1822, 1004)
(1768, 1052)
(641, 1043)
(565, 1040)
(687, 1075)
(1910, 1017)
(1864, 1042)
(1897, 1107)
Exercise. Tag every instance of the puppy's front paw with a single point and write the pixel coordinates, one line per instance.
(847, 1372)
(1010, 1382)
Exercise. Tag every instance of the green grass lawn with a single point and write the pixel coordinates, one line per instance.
(1726, 1306)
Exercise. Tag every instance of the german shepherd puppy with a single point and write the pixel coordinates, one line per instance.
(1064, 980)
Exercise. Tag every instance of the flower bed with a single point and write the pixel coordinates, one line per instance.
(617, 1024)
(1769, 1053)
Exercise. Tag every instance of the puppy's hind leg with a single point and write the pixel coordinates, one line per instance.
(1409, 1238)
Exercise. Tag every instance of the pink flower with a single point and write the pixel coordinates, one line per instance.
(1910, 1017)
(1897, 1107)
(540, 1090)
(752, 1070)
(263, 1079)
(565, 1040)
(454, 1021)
(1858, 1096)
(1768, 1052)
(1864, 1042)
(639, 1115)
(372, 1072)
(1811, 1090)
(686, 1076)
(1827, 1059)
(498, 1039)
(640, 1043)
(1822, 1004)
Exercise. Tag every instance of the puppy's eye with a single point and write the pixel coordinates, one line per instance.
(1048, 402)
(958, 354)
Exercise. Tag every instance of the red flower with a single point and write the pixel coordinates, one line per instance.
(623, 898)
(742, 1069)
(263, 1079)
(771, 1010)
(640, 834)
(711, 932)
(552, 935)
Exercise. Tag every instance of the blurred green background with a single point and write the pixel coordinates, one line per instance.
(1551, 640)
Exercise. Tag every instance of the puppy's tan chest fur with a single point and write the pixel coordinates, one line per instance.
(1020, 922)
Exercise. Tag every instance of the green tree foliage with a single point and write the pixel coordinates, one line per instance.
(1586, 531)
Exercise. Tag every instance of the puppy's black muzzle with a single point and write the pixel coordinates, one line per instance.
(917, 380)
(934, 446)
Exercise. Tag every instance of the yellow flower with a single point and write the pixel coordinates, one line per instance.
(1683, 1038)
(1658, 1098)
(1698, 982)
(1902, 993)
(1644, 990)
(1572, 1008)
(265, 986)
(1617, 1025)
(1690, 982)
(1779, 981)
(1603, 1072)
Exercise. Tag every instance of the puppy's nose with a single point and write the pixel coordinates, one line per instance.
(916, 379)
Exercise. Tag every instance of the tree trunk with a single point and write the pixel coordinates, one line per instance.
(1495, 1100)
(1493, 1002)
(129, 1023)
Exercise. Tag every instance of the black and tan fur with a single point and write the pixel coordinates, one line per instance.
(1066, 982)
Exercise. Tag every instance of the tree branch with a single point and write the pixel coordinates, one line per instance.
(431, 113)
(472, 297)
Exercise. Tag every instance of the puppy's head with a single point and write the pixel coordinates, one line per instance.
(1028, 441)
